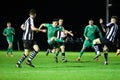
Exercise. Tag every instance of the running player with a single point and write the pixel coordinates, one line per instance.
(9, 32)
(108, 39)
(28, 40)
(90, 33)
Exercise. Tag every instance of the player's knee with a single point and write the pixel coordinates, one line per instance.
(105, 49)
(26, 52)
(94, 42)
(83, 49)
(10, 45)
(53, 39)
(36, 48)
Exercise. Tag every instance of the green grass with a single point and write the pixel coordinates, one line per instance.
(47, 69)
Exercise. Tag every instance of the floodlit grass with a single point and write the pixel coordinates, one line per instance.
(47, 69)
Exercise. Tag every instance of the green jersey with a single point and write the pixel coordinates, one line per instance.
(9, 32)
(51, 30)
(92, 32)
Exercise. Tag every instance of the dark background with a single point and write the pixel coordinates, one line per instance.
(74, 12)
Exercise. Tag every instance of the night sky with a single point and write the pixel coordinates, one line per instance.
(74, 12)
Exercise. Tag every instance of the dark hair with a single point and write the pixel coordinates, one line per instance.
(8, 22)
(54, 20)
(90, 19)
(115, 17)
(32, 11)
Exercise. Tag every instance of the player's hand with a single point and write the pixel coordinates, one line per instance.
(72, 34)
(86, 38)
(43, 30)
(104, 30)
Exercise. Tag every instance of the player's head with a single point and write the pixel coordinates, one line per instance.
(114, 19)
(90, 21)
(8, 24)
(101, 20)
(60, 21)
(32, 13)
(55, 22)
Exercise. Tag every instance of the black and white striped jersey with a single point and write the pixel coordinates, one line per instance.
(28, 33)
(61, 34)
(111, 30)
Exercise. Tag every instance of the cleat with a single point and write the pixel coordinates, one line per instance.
(30, 64)
(106, 63)
(18, 65)
(12, 55)
(97, 56)
(97, 59)
(48, 51)
(56, 59)
(63, 61)
(78, 59)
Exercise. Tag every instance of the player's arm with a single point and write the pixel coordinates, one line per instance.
(69, 32)
(37, 29)
(4, 32)
(22, 27)
(85, 33)
(42, 25)
(13, 31)
(102, 25)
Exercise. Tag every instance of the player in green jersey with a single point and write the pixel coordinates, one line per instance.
(51, 34)
(9, 32)
(91, 32)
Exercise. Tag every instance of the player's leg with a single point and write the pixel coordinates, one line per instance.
(56, 54)
(50, 49)
(62, 47)
(34, 53)
(57, 40)
(11, 48)
(105, 50)
(8, 49)
(27, 45)
(96, 43)
(117, 52)
(86, 44)
(118, 47)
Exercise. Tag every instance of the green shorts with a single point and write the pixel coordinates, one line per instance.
(10, 41)
(54, 45)
(87, 44)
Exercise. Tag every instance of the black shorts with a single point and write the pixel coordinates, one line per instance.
(28, 44)
(106, 42)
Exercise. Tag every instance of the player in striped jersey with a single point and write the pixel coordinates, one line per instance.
(28, 40)
(108, 39)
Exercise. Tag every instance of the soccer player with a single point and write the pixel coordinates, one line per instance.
(61, 35)
(9, 32)
(108, 39)
(28, 39)
(91, 32)
(52, 39)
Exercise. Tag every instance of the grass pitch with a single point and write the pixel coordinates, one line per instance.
(47, 69)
